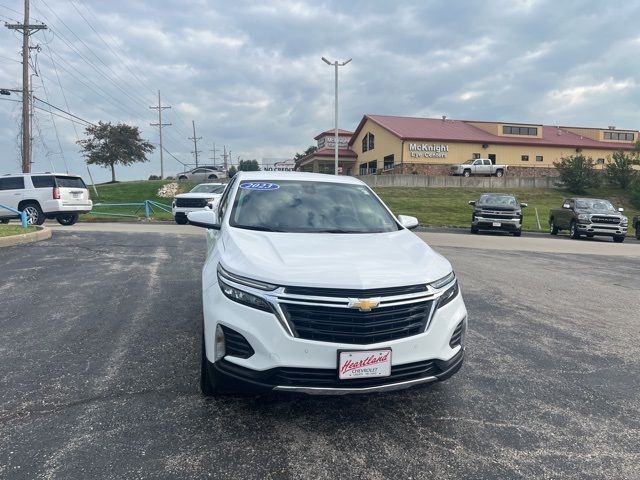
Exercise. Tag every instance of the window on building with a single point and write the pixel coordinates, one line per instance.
(524, 158)
(365, 144)
(368, 142)
(600, 161)
(388, 162)
(513, 130)
(476, 155)
(623, 136)
(371, 139)
(539, 158)
(363, 169)
(372, 167)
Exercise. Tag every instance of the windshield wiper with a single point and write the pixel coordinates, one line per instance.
(259, 228)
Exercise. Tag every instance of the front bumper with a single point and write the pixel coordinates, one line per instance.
(503, 224)
(287, 363)
(602, 230)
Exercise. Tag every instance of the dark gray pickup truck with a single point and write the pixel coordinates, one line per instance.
(589, 217)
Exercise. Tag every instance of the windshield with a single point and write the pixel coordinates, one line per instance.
(594, 204)
(469, 162)
(208, 189)
(498, 200)
(309, 207)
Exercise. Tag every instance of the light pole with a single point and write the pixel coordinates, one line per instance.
(336, 64)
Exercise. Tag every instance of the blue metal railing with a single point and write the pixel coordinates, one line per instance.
(148, 206)
(23, 215)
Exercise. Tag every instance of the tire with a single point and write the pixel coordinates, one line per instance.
(67, 220)
(466, 173)
(182, 177)
(499, 173)
(553, 228)
(34, 213)
(208, 385)
(4, 220)
(474, 230)
(573, 230)
(638, 232)
(181, 220)
(517, 233)
(212, 177)
(618, 238)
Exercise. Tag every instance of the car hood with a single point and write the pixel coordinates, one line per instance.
(609, 213)
(198, 195)
(356, 261)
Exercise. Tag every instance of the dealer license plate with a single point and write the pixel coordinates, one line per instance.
(364, 364)
(497, 224)
(77, 195)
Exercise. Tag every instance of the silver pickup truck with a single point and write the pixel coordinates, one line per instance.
(478, 166)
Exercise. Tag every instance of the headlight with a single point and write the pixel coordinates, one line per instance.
(242, 296)
(625, 221)
(441, 282)
(173, 204)
(448, 295)
(583, 217)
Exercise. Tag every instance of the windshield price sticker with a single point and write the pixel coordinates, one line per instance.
(363, 364)
(259, 186)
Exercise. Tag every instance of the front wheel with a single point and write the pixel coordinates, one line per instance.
(517, 233)
(181, 220)
(638, 231)
(499, 173)
(618, 238)
(67, 220)
(182, 177)
(474, 230)
(553, 228)
(467, 173)
(4, 220)
(573, 231)
(212, 177)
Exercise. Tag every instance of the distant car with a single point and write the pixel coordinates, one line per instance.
(202, 174)
(44, 195)
(589, 217)
(201, 196)
(497, 211)
(478, 166)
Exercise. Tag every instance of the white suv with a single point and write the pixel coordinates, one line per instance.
(312, 285)
(200, 196)
(44, 195)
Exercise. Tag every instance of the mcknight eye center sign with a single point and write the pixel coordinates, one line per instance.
(428, 150)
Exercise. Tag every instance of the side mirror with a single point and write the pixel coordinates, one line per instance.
(472, 202)
(524, 205)
(408, 222)
(566, 205)
(621, 209)
(204, 218)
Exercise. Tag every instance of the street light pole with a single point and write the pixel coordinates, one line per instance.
(336, 64)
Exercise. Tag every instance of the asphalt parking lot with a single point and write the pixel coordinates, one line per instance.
(99, 340)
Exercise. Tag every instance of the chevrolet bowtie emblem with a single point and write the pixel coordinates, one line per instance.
(364, 304)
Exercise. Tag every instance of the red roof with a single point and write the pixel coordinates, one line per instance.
(330, 152)
(462, 131)
(341, 133)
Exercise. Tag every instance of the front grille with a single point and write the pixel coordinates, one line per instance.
(346, 325)
(346, 293)
(235, 344)
(609, 220)
(456, 338)
(315, 377)
(191, 202)
(497, 214)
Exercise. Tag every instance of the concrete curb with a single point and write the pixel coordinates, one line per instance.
(43, 233)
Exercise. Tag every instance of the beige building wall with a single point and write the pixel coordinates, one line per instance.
(385, 143)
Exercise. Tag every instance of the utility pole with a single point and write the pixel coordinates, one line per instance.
(224, 157)
(214, 150)
(26, 29)
(195, 142)
(160, 125)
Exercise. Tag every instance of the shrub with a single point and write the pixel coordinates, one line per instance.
(154, 177)
(619, 169)
(577, 173)
(232, 171)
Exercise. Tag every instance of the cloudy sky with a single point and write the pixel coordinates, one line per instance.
(249, 73)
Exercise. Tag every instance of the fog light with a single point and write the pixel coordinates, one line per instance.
(220, 348)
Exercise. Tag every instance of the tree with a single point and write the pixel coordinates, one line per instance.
(308, 151)
(110, 144)
(577, 173)
(619, 169)
(248, 166)
(232, 171)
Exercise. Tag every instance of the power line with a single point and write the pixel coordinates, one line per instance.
(64, 111)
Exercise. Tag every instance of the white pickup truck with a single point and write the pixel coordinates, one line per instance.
(478, 166)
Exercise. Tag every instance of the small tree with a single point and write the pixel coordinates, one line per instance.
(577, 173)
(110, 144)
(619, 169)
(232, 171)
(308, 151)
(248, 166)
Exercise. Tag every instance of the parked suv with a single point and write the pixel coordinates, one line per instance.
(202, 174)
(292, 302)
(497, 211)
(589, 217)
(44, 195)
(200, 196)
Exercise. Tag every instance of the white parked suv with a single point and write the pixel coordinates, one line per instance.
(312, 285)
(200, 196)
(44, 195)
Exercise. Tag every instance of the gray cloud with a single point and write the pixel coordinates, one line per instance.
(250, 75)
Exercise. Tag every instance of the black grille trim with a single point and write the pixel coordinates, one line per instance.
(350, 326)
(191, 202)
(456, 338)
(609, 220)
(353, 293)
(235, 344)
